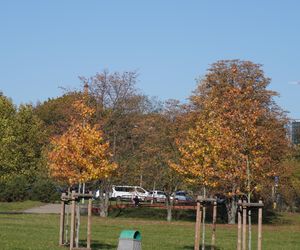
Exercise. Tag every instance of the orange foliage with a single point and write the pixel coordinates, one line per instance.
(239, 136)
(80, 154)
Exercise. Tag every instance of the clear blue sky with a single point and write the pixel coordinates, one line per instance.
(47, 44)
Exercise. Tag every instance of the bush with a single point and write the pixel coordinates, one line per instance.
(15, 189)
(20, 188)
(44, 190)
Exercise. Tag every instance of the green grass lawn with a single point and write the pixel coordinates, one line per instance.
(18, 206)
(30, 231)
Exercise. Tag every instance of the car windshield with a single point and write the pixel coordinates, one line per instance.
(124, 189)
(119, 188)
(140, 190)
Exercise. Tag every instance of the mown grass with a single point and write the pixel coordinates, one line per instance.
(8, 207)
(37, 232)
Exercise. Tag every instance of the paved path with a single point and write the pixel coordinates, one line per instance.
(45, 209)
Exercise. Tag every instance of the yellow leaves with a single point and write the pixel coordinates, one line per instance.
(235, 123)
(82, 108)
(80, 154)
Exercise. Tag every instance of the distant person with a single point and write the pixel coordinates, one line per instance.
(136, 201)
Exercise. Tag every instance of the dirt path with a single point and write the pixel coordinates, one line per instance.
(45, 209)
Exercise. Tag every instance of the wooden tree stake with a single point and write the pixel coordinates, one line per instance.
(259, 233)
(203, 226)
(62, 223)
(239, 236)
(72, 233)
(89, 222)
(213, 236)
(244, 226)
(198, 226)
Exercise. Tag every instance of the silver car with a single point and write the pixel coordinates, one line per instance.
(157, 196)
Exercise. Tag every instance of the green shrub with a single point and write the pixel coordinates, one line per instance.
(20, 188)
(15, 189)
(44, 190)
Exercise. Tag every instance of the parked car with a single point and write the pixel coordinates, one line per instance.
(157, 196)
(180, 196)
(129, 192)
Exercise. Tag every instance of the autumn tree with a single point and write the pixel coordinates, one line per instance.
(141, 131)
(119, 106)
(239, 136)
(80, 154)
(156, 147)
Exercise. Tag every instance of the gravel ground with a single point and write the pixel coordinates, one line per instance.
(45, 209)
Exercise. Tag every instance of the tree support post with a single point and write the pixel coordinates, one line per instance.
(200, 221)
(203, 226)
(213, 235)
(244, 239)
(89, 222)
(259, 233)
(72, 233)
(62, 221)
(243, 207)
(239, 233)
(198, 226)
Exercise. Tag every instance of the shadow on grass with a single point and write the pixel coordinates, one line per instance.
(270, 217)
(161, 214)
(207, 247)
(96, 245)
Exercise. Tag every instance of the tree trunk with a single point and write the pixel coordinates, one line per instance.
(104, 200)
(103, 207)
(231, 207)
(169, 204)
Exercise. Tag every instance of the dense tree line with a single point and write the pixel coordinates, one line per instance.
(22, 165)
(230, 137)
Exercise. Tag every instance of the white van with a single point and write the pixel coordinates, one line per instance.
(129, 192)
